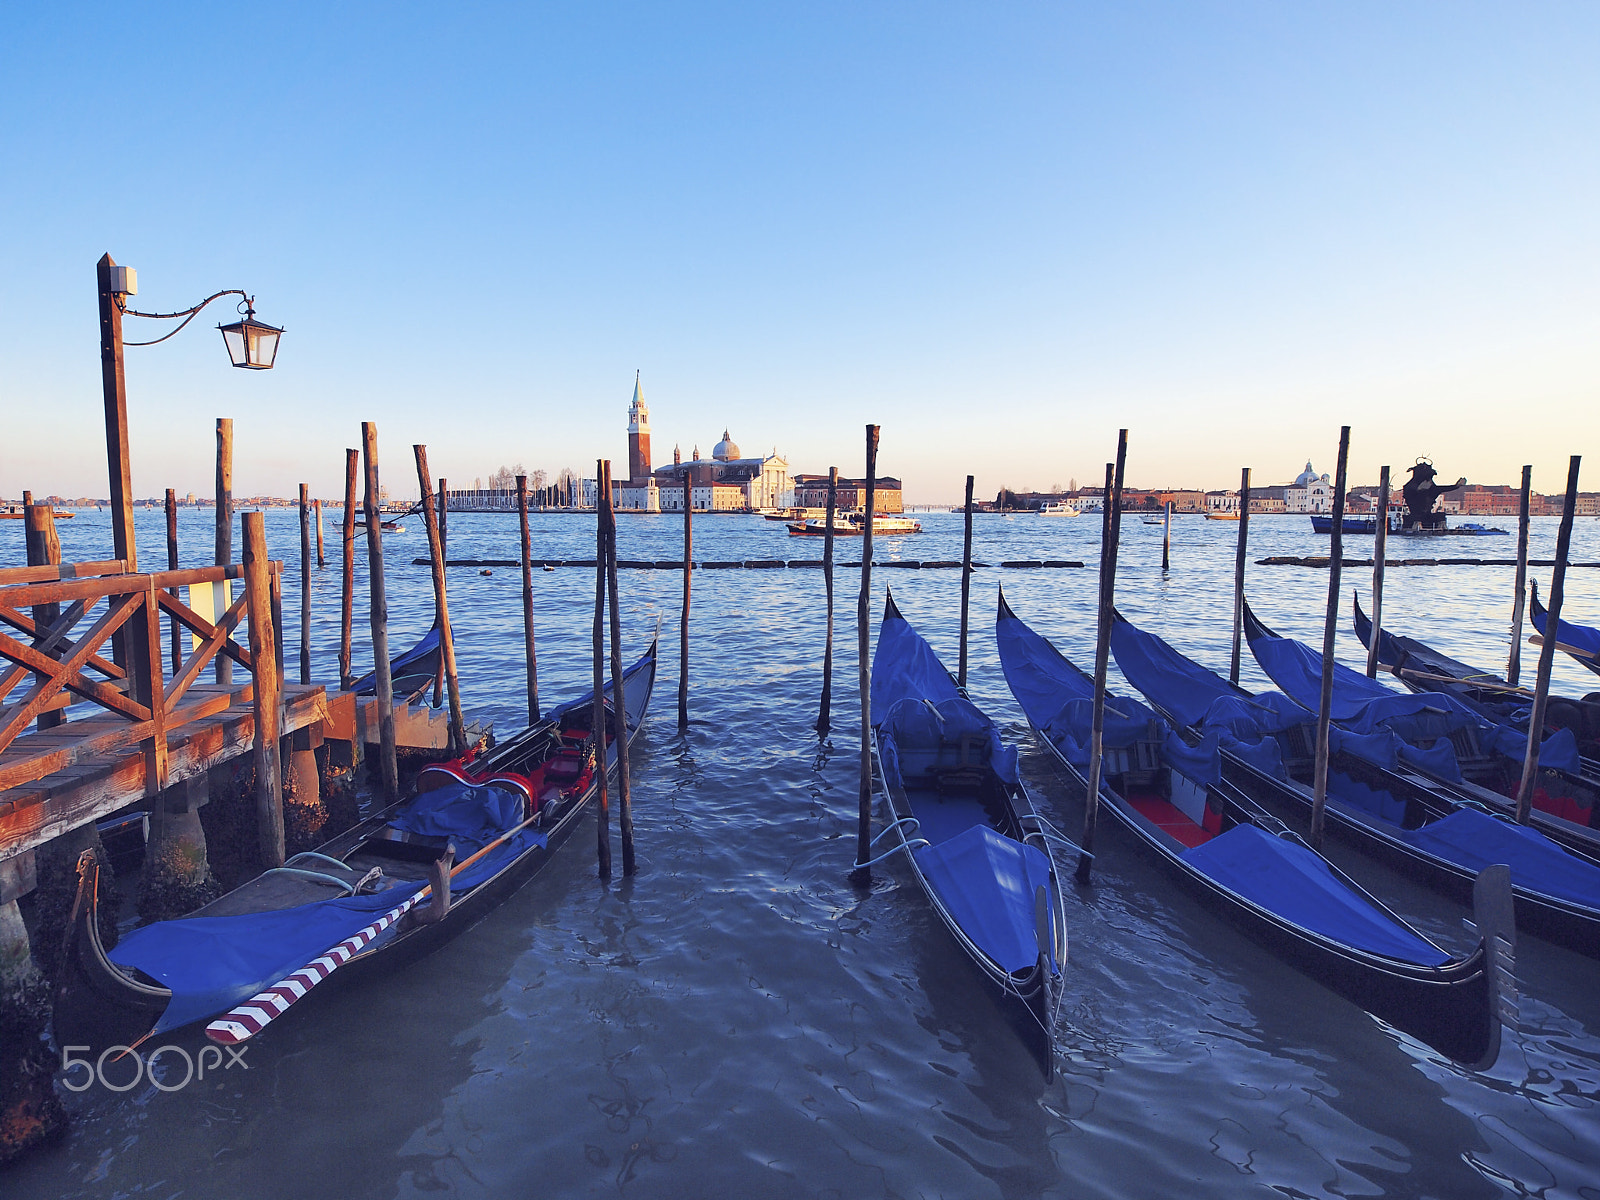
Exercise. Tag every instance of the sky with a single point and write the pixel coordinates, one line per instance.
(1000, 232)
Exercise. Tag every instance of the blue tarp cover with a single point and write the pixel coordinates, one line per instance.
(1241, 723)
(1581, 637)
(1366, 706)
(1477, 840)
(1289, 879)
(1058, 699)
(916, 731)
(214, 963)
(904, 665)
(986, 881)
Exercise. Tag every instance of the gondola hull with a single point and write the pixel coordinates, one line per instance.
(99, 1003)
(1453, 1007)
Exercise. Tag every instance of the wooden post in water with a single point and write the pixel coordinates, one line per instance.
(305, 586)
(316, 506)
(824, 713)
(224, 536)
(444, 517)
(597, 719)
(1240, 556)
(683, 619)
(864, 664)
(1547, 651)
(1520, 599)
(388, 765)
(966, 584)
(441, 605)
(1166, 537)
(444, 559)
(347, 602)
(266, 689)
(172, 565)
(1330, 627)
(531, 659)
(44, 550)
(1110, 537)
(619, 707)
(1380, 551)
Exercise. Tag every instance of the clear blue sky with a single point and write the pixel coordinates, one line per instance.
(1000, 231)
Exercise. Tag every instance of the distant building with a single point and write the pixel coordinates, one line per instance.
(727, 481)
(1309, 493)
(811, 491)
(1268, 500)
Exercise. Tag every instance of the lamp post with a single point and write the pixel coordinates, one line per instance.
(250, 344)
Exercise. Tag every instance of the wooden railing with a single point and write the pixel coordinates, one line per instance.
(65, 664)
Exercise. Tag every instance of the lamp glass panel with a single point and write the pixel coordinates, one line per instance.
(233, 337)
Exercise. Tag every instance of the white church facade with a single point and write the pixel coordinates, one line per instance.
(727, 481)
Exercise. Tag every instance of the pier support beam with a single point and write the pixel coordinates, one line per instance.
(30, 1112)
(177, 874)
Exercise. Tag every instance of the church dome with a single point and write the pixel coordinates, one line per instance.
(725, 449)
(1307, 477)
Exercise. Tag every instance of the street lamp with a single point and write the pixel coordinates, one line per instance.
(250, 343)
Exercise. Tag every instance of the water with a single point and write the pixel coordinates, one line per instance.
(740, 1021)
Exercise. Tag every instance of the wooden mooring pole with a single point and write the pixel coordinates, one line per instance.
(265, 687)
(1166, 537)
(389, 767)
(530, 658)
(1380, 551)
(347, 600)
(683, 618)
(44, 550)
(172, 565)
(305, 586)
(864, 664)
(224, 530)
(619, 707)
(966, 584)
(824, 713)
(1520, 597)
(1547, 651)
(441, 605)
(1110, 536)
(1330, 628)
(597, 720)
(316, 507)
(1240, 557)
(444, 556)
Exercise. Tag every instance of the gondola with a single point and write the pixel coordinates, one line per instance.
(1243, 863)
(968, 825)
(1581, 642)
(1442, 739)
(411, 672)
(1267, 744)
(535, 787)
(1423, 669)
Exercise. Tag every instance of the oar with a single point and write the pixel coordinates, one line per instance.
(255, 1014)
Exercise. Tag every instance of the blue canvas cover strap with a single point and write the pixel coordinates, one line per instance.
(1289, 879)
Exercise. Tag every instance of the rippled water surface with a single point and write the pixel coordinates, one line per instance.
(739, 1020)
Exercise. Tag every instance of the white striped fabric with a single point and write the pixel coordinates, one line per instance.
(250, 1018)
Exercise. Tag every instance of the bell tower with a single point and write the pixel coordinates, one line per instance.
(638, 434)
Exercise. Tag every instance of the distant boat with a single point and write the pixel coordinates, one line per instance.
(1222, 516)
(1057, 508)
(392, 526)
(851, 524)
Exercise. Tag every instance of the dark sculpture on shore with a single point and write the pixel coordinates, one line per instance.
(1420, 492)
